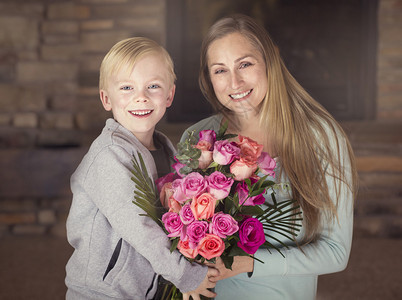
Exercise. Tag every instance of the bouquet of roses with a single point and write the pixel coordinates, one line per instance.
(216, 199)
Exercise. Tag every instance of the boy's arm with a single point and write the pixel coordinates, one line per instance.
(111, 188)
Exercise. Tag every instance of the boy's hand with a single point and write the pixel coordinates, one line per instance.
(241, 264)
(202, 289)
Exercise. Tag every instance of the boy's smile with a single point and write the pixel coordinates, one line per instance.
(139, 97)
(140, 113)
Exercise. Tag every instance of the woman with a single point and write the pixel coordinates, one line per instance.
(243, 76)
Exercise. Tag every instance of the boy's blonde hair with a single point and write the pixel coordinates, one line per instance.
(126, 53)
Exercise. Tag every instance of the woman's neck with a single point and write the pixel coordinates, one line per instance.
(251, 128)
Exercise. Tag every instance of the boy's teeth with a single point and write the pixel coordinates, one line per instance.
(238, 96)
(141, 113)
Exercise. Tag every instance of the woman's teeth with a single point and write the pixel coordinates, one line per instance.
(241, 95)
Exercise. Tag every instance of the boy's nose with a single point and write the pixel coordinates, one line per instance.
(142, 99)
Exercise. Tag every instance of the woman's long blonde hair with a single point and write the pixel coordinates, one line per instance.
(300, 129)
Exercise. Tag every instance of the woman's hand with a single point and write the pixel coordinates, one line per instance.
(241, 264)
(206, 284)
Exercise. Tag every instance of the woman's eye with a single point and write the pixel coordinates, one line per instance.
(245, 65)
(219, 71)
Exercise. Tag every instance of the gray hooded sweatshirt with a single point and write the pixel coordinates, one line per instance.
(118, 254)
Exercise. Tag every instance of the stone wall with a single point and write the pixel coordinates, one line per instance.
(389, 73)
(50, 53)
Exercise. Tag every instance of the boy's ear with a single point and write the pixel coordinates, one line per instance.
(107, 105)
(171, 96)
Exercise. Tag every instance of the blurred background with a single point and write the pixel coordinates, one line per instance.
(346, 53)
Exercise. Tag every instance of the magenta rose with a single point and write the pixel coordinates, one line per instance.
(266, 164)
(186, 214)
(219, 185)
(243, 191)
(195, 232)
(193, 185)
(223, 225)
(251, 234)
(208, 136)
(225, 152)
(173, 224)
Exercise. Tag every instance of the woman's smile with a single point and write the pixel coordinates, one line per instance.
(240, 96)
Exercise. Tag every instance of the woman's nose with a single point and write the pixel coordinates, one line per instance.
(237, 80)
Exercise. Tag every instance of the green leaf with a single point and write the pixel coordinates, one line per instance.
(236, 251)
(175, 242)
(251, 210)
(228, 136)
(228, 261)
(256, 192)
(222, 130)
(146, 196)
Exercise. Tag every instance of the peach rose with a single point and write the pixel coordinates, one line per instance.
(203, 206)
(206, 155)
(249, 147)
(185, 249)
(242, 169)
(174, 205)
(166, 192)
(211, 246)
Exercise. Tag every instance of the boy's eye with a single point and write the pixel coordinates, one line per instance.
(126, 88)
(153, 86)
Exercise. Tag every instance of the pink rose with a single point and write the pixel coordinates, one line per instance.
(208, 136)
(193, 185)
(206, 155)
(185, 249)
(242, 170)
(251, 234)
(173, 224)
(203, 206)
(179, 194)
(249, 147)
(186, 214)
(223, 225)
(266, 164)
(243, 191)
(211, 246)
(195, 232)
(219, 185)
(225, 152)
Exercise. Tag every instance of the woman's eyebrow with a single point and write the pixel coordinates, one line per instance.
(236, 61)
(245, 56)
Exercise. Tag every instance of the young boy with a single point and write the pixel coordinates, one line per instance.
(118, 253)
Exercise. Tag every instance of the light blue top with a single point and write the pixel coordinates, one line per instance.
(295, 276)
